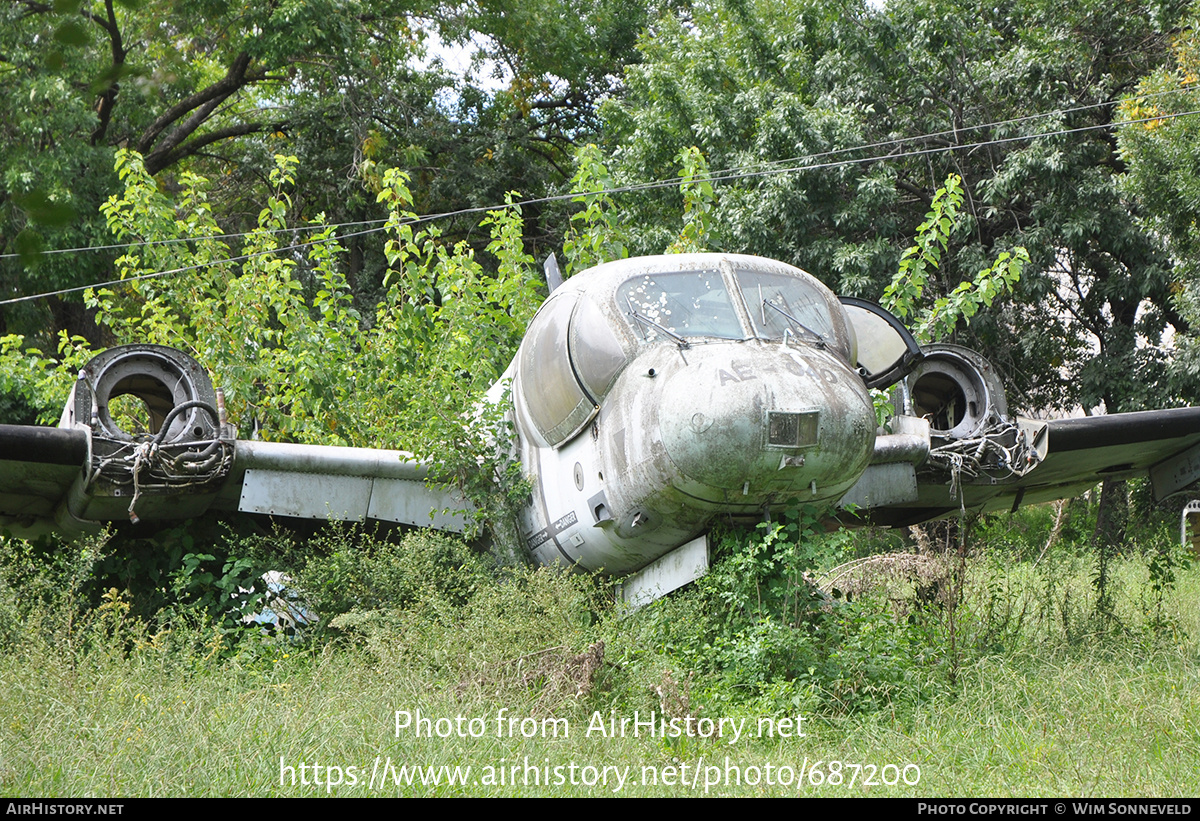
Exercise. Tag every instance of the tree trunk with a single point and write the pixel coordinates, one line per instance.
(1109, 538)
(1112, 517)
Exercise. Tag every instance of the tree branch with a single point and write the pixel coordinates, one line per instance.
(916, 191)
(164, 159)
(108, 98)
(35, 8)
(181, 133)
(233, 80)
(566, 174)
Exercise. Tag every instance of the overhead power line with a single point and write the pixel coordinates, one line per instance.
(751, 171)
(673, 181)
(950, 132)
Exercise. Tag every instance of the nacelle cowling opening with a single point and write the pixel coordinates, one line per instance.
(957, 390)
(171, 461)
(972, 437)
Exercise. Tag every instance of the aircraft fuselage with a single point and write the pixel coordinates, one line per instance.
(727, 398)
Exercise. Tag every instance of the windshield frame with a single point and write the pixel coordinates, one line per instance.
(805, 310)
(652, 305)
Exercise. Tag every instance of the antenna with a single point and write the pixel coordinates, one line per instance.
(553, 275)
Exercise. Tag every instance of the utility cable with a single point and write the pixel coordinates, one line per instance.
(672, 181)
(721, 176)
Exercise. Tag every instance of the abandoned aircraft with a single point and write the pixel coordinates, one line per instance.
(649, 397)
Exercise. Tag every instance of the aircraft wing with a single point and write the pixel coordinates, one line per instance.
(72, 478)
(979, 458)
(46, 485)
(37, 468)
(1079, 453)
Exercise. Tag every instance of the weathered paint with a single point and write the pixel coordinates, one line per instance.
(683, 433)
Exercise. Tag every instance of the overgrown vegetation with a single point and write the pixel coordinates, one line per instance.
(102, 695)
(156, 644)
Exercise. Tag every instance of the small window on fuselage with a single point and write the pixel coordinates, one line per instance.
(680, 304)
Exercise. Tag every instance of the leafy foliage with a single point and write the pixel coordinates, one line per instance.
(279, 328)
(699, 200)
(297, 359)
(763, 635)
(939, 320)
(1159, 145)
(837, 123)
(36, 383)
(218, 90)
(595, 235)
(349, 570)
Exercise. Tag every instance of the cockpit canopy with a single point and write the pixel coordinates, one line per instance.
(594, 324)
(747, 301)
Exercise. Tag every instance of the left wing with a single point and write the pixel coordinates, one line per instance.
(89, 470)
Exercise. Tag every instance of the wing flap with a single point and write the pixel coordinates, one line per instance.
(339, 483)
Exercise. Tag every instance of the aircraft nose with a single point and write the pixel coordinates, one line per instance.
(746, 425)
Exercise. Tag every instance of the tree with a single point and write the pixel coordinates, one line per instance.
(1160, 144)
(785, 93)
(219, 88)
(173, 81)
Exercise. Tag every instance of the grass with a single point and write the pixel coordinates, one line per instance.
(1046, 698)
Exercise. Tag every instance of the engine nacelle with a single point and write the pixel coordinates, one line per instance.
(972, 437)
(163, 379)
(957, 390)
(169, 466)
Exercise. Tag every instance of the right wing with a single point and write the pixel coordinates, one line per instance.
(979, 458)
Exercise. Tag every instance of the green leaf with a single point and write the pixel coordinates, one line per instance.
(72, 32)
(42, 209)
